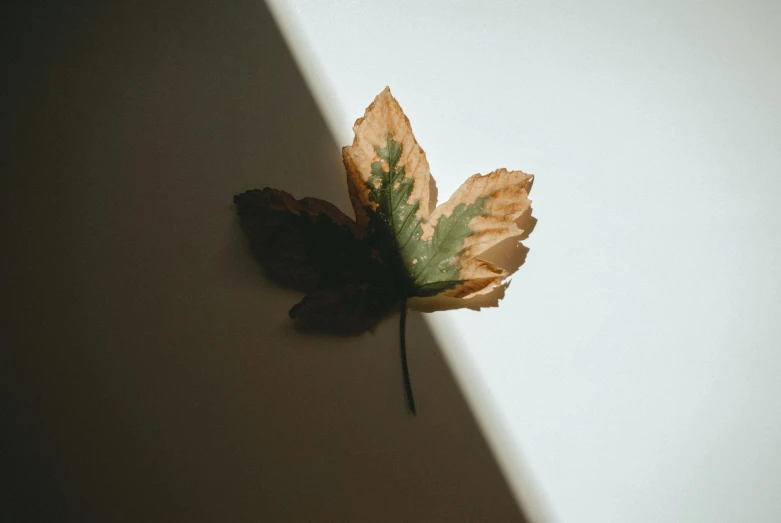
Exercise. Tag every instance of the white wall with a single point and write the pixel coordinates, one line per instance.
(633, 366)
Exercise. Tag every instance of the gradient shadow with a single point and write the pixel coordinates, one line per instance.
(152, 373)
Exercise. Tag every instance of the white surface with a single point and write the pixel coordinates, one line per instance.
(635, 360)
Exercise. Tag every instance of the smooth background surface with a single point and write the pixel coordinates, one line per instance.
(149, 371)
(635, 360)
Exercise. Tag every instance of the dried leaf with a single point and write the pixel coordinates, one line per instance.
(312, 246)
(355, 272)
(389, 179)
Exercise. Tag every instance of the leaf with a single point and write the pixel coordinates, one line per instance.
(356, 272)
(348, 308)
(389, 182)
(312, 246)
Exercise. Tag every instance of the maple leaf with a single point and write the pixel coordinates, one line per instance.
(355, 272)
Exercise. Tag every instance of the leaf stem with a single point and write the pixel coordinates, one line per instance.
(404, 368)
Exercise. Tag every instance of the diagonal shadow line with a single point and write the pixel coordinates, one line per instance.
(167, 382)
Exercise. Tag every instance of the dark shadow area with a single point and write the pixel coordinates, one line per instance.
(149, 369)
